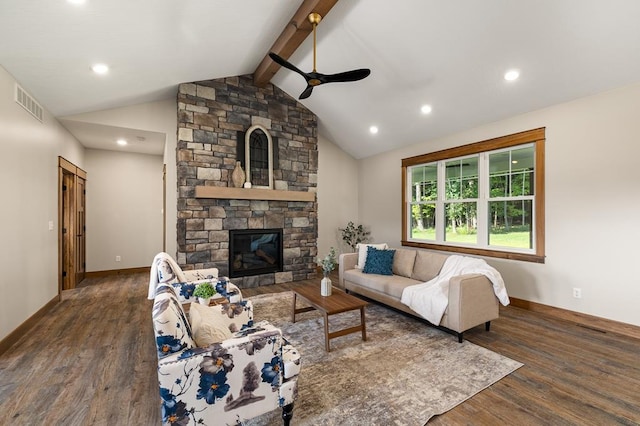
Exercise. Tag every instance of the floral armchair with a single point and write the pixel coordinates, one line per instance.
(165, 270)
(226, 383)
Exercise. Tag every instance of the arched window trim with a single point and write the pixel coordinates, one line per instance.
(247, 154)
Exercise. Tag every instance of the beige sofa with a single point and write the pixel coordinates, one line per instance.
(471, 297)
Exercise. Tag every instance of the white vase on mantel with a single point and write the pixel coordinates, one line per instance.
(325, 286)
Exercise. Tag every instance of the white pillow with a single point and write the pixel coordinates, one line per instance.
(206, 325)
(362, 252)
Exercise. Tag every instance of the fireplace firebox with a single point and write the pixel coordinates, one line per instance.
(254, 252)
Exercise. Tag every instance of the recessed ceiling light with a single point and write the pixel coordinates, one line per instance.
(512, 75)
(373, 130)
(514, 161)
(100, 68)
(122, 142)
(76, 1)
(426, 109)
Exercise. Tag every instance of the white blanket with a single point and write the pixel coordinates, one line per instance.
(154, 280)
(431, 299)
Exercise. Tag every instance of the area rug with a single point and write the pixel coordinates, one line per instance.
(404, 374)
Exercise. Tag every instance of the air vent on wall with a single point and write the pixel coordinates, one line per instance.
(27, 102)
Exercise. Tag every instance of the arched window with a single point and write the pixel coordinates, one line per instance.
(259, 157)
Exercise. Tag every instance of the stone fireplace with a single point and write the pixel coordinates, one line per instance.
(212, 117)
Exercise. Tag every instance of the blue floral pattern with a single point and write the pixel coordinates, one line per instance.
(168, 344)
(221, 384)
(173, 412)
(186, 290)
(213, 386)
(271, 372)
(223, 287)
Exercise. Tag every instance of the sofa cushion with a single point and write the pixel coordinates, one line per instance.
(379, 261)
(207, 325)
(391, 285)
(362, 252)
(427, 265)
(403, 262)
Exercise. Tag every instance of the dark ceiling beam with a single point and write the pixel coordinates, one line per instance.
(291, 38)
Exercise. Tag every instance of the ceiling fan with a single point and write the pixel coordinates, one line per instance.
(315, 78)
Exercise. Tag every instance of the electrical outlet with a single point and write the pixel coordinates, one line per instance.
(118, 258)
(577, 293)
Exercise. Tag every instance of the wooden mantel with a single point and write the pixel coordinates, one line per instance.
(224, 192)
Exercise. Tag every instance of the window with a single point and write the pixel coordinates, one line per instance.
(485, 198)
(259, 157)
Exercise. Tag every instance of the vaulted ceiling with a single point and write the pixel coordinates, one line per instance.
(451, 55)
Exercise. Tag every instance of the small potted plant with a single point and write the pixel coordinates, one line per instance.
(328, 264)
(204, 292)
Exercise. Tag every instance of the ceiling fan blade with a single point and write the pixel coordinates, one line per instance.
(282, 62)
(353, 75)
(315, 78)
(306, 93)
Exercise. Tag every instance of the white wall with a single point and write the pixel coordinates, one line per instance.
(592, 203)
(337, 195)
(162, 117)
(28, 185)
(124, 209)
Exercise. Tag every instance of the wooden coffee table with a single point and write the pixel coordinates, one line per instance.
(338, 302)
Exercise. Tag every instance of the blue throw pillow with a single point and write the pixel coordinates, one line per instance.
(379, 261)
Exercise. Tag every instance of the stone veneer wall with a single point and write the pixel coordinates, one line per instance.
(209, 115)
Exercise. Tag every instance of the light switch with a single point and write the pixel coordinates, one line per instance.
(50, 225)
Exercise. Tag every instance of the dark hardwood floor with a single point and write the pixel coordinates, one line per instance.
(92, 361)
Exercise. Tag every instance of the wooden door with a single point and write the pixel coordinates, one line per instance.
(72, 224)
(67, 231)
(80, 226)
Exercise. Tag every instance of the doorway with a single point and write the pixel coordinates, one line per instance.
(71, 224)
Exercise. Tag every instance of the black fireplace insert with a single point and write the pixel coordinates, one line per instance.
(254, 252)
